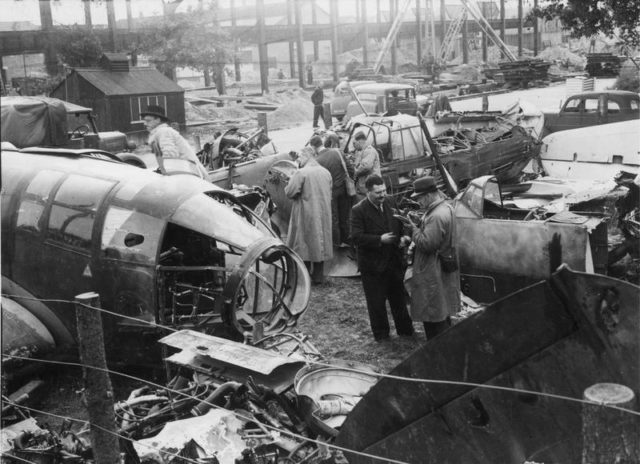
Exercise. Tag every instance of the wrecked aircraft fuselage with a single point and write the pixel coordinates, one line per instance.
(171, 250)
(503, 248)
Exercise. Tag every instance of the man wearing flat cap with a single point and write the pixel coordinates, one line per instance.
(166, 142)
(434, 286)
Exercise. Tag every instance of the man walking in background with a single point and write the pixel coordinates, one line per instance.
(376, 235)
(309, 235)
(317, 98)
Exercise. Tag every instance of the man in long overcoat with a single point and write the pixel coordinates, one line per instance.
(435, 294)
(310, 223)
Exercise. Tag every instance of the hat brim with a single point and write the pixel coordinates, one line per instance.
(424, 192)
(156, 115)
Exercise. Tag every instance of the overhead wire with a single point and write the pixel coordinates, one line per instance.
(235, 413)
(106, 311)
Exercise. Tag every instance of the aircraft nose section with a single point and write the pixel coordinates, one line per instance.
(268, 289)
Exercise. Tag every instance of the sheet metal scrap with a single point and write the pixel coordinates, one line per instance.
(558, 337)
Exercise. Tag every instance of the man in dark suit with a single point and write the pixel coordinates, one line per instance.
(376, 235)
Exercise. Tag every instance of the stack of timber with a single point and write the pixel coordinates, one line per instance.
(603, 64)
(521, 72)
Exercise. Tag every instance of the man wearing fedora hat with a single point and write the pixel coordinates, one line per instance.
(434, 287)
(166, 142)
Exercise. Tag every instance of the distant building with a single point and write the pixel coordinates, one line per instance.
(117, 93)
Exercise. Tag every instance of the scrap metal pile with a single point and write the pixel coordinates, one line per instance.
(226, 403)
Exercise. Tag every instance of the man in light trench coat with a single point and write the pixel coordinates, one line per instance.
(310, 223)
(435, 294)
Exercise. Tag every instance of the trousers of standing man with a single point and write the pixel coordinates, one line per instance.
(318, 113)
(340, 218)
(379, 287)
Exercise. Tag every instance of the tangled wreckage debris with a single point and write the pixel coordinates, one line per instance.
(231, 403)
(227, 403)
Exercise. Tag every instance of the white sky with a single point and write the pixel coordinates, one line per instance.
(69, 12)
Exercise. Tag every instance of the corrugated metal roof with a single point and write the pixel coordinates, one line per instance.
(138, 81)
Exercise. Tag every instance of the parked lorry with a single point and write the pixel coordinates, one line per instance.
(594, 108)
(50, 122)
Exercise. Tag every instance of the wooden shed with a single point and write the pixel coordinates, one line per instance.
(117, 93)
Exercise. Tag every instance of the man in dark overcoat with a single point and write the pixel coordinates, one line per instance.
(376, 235)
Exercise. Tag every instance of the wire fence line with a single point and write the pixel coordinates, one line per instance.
(359, 371)
(235, 413)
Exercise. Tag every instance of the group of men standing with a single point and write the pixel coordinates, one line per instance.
(320, 197)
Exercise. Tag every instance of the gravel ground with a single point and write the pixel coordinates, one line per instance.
(338, 325)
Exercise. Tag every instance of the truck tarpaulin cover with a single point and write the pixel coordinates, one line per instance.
(34, 121)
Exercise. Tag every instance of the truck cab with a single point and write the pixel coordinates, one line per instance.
(594, 108)
(50, 122)
(382, 98)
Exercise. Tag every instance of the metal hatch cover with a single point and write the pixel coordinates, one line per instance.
(208, 354)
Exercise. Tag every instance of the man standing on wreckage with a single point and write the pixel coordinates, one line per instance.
(433, 281)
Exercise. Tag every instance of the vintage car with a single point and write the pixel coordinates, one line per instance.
(173, 250)
(406, 147)
(44, 121)
(343, 95)
(380, 98)
(593, 108)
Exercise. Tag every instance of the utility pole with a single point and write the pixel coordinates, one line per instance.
(519, 28)
(129, 16)
(292, 54)
(502, 24)
(432, 20)
(236, 59)
(393, 11)
(465, 41)
(262, 48)
(46, 23)
(314, 21)
(300, 43)
(87, 13)
(443, 20)
(333, 8)
(111, 21)
(365, 32)
(418, 35)
(535, 31)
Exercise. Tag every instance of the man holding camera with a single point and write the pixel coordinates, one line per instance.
(434, 280)
(376, 235)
